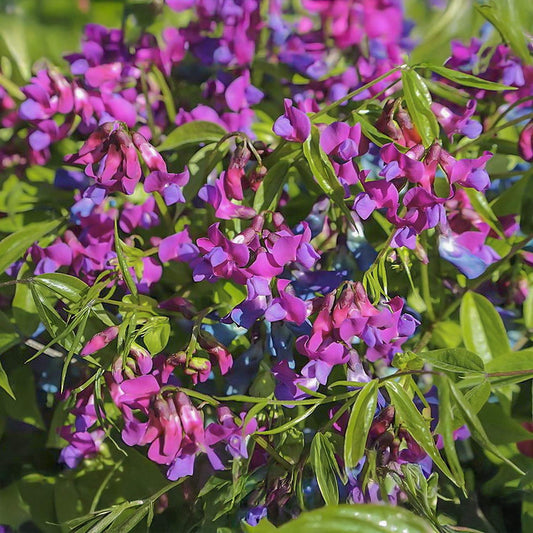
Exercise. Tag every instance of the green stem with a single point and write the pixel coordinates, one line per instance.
(511, 107)
(426, 292)
(167, 94)
(149, 112)
(163, 209)
(491, 132)
(350, 95)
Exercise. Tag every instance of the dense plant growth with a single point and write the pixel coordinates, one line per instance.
(261, 268)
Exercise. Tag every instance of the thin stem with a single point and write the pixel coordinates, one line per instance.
(511, 107)
(272, 452)
(492, 131)
(350, 95)
(149, 112)
(426, 291)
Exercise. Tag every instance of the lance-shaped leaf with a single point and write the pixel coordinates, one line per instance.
(526, 220)
(483, 329)
(466, 80)
(476, 428)
(68, 287)
(476, 398)
(192, 133)
(454, 360)
(267, 196)
(324, 464)
(323, 171)
(445, 428)
(504, 17)
(359, 423)
(416, 424)
(418, 100)
(4, 382)
(518, 366)
(13, 246)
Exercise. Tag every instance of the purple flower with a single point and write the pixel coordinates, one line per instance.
(294, 125)
(468, 252)
(110, 157)
(525, 142)
(51, 258)
(343, 142)
(458, 123)
(99, 341)
(178, 247)
(169, 185)
(215, 195)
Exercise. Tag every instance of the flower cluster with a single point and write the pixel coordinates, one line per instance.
(243, 231)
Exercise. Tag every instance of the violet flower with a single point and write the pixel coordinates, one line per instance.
(294, 125)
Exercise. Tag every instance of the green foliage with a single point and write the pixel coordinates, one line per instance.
(350, 519)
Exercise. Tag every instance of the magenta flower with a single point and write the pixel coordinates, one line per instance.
(294, 125)
(169, 185)
(178, 247)
(83, 443)
(110, 157)
(525, 142)
(99, 341)
(51, 258)
(215, 195)
(453, 123)
(286, 306)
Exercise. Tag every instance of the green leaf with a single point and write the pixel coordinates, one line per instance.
(476, 398)
(267, 196)
(55, 325)
(370, 131)
(476, 428)
(68, 287)
(200, 166)
(500, 427)
(526, 220)
(324, 464)
(156, 338)
(4, 382)
(13, 510)
(25, 407)
(483, 329)
(528, 309)
(13, 246)
(445, 428)
(8, 334)
(359, 423)
(416, 424)
(454, 360)
(24, 309)
(418, 100)
(503, 16)
(482, 207)
(76, 346)
(323, 171)
(447, 334)
(365, 518)
(192, 133)
(466, 80)
(527, 512)
(520, 362)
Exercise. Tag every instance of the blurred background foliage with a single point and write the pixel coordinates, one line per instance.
(44, 30)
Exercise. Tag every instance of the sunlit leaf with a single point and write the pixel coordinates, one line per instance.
(483, 329)
(361, 417)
